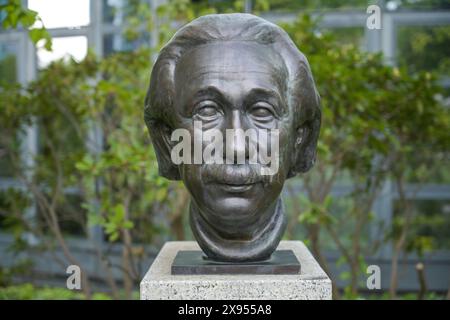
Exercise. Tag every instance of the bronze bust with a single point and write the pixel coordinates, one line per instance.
(241, 72)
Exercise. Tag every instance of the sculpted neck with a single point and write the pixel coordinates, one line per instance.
(256, 247)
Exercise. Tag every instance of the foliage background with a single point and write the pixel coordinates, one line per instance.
(375, 119)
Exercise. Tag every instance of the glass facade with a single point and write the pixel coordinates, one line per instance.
(424, 48)
(63, 48)
(75, 28)
(62, 13)
(8, 61)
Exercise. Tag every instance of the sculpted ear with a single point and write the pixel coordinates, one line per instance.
(157, 114)
(160, 134)
(305, 145)
(307, 124)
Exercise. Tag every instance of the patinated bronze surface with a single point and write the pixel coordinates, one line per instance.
(234, 71)
(194, 262)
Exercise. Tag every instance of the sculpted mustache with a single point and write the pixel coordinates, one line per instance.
(233, 174)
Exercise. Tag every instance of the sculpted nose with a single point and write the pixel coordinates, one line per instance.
(236, 143)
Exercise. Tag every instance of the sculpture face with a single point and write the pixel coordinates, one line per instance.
(233, 83)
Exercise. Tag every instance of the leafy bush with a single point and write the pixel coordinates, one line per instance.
(376, 118)
(29, 292)
(92, 139)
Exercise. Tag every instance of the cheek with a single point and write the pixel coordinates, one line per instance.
(286, 145)
(191, 176)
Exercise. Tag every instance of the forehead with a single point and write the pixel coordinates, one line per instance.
(226, 63)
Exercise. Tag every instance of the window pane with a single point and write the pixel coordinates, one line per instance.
(8, 62)
(351, 35)
(112, 11)
(62, 13)
(6, 164)
(429, 227)
(71, 216)
(8, 74)
(425, 48)
(117, 43)
(421, 5)
(11, 202)
(75, 47)
(2, 13)
(117, 12)
(289, 5)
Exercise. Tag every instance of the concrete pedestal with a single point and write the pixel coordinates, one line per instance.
(310, 283)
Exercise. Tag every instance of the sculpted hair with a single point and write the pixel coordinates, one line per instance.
(302, 96)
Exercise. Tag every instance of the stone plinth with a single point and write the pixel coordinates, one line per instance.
(159, 283)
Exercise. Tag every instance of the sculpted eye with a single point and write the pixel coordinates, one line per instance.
(262, 112)
(207, 110)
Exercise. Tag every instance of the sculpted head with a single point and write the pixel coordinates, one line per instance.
(234, 71)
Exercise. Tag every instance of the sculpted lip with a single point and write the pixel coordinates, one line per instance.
(236, 188)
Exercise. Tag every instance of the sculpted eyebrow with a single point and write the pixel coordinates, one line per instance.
(264, 92)
(210, 91)
(271, 96)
